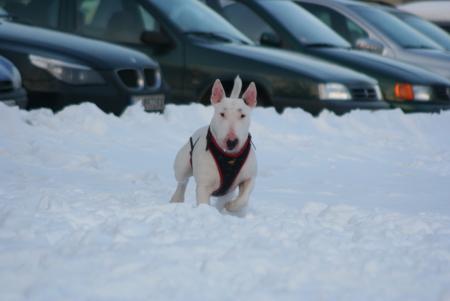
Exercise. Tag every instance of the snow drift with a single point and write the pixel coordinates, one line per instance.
(345, 208)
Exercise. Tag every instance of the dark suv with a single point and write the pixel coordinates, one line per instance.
(194, 46)
(60, 69)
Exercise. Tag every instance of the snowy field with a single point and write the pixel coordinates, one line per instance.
(345, 208)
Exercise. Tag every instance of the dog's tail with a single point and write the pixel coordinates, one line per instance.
(236, 88)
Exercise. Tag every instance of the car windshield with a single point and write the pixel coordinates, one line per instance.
(309, 30)
(193, 17)
(429, 29)
(394, 28)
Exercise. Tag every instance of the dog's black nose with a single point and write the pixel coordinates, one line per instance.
(232, 143)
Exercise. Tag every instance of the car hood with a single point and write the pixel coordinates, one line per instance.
(434, 60)
(380, 67)
(304, 65)
(99, 55)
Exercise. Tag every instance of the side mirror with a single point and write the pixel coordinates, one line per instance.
(156, 38)
(370, 45)
(270, 39)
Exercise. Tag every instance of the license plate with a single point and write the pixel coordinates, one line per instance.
(150, 102)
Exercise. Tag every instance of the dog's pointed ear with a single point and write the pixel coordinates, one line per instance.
(250, 95)
(217, 92)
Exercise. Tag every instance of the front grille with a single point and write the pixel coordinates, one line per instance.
(6, 86)
(130, 77)
(138, 79)
(364, 94)
(150, 77)
(442, 92)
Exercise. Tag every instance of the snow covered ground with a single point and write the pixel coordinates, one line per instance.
(345, 208)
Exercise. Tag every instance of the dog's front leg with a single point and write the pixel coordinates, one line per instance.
(178, 195)
(245, 188)
(203, 194)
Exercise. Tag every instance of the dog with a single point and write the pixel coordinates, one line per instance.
(221, 156)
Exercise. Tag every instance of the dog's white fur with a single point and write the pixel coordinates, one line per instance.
(231, 121)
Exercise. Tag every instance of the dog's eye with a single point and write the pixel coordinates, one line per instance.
(222, 115)
(243, 116)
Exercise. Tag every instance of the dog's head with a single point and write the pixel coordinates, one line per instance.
(231, 121)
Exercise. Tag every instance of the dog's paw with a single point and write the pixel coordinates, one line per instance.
(176, 200)
(233, 206)
(238, 211)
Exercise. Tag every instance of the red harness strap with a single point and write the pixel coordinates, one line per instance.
(192, 148)
(228, 165)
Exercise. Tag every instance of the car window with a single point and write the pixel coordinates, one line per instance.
(445, 27)
(303, 25)
(338, 22)
(194, 16)
(42, 13)
(114, 20)
(355, 31)
(394, 28)
(246, 20)
(429, 29)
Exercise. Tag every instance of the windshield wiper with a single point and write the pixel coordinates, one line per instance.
(209, 35)
(218, 36)
(323, 45)
(418, 47)
(13, 18)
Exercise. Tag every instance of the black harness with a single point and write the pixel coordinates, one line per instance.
(228, 165)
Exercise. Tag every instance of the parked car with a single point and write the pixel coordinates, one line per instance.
(194, 46)
(59, 69)
(427, 28)
(11, 91)
(437, 12)
(369, 27)
(284, 24)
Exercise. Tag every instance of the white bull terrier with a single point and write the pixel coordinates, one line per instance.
(220, 156)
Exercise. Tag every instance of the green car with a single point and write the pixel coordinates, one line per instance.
(194, 46)
(284, 24)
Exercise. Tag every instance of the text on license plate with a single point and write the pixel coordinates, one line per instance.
(150, 102)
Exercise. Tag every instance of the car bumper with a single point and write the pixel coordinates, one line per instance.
(347, 106)
(339, 107)
(420, 107)
(107, 97)
(15, 98)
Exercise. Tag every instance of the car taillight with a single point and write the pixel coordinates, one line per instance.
(404, 92)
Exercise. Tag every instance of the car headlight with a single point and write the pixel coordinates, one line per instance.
(334, 91)
(16, 78)
(422, 93)
(410, 92)
(71, 73)
(158, 80)
(378, 92)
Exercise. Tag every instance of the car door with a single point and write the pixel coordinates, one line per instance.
(132, 23)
